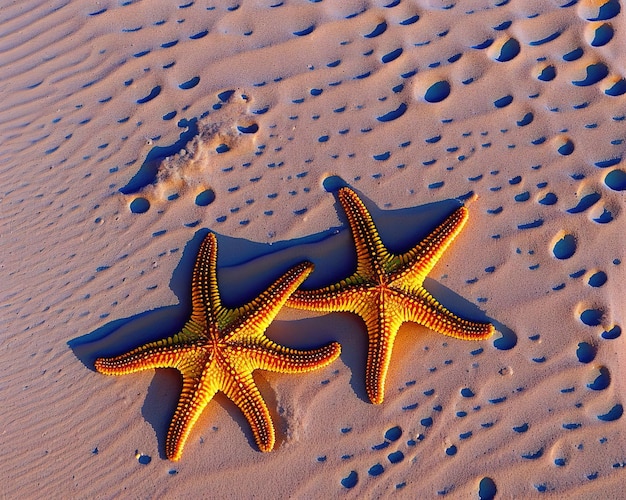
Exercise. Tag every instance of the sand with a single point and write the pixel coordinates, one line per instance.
(129, 129)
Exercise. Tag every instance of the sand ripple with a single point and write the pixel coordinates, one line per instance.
(128, 125)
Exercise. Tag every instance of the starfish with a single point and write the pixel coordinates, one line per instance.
(387, 290)
(219, 348)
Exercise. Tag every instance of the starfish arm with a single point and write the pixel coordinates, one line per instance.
(420, 260)
(205, 298)
(382, 327)
(253, 318)
(425, 310)
(343, 296)
(370, 251)
(242, 390)
(165, 353)
(193, 399)
(277, 358)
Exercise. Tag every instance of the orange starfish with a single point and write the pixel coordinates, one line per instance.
(219, 348)
(387, 289)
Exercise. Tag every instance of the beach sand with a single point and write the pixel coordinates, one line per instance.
(129, 129)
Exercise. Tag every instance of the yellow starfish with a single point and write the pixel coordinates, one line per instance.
(387, 289)
(219, 348)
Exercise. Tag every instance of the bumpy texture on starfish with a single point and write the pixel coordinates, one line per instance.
(219, 348)
(387, 289)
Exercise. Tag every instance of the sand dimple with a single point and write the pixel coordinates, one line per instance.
(126, 127)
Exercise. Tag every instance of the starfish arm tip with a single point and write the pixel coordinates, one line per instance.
(491, 330)
(480, 331)
(107, 366)
(263, 431)
(308, 265)
(326, 355)
(375, 392)
(484, 331)
(174, 446)
(279, 292)
(174, 455)
(471, 331)
(266, 447)
(305, 267)
(98, 364)
(377, 399)
(299, 273)
(334, 351)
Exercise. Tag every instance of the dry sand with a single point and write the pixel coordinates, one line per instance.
(515, 107)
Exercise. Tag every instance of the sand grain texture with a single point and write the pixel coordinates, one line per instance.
(127, 128)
